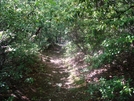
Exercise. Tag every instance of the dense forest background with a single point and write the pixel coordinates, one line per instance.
(102, 30)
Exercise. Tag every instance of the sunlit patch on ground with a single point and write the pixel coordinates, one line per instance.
(58, 75)
(56, 61)
(93, 74)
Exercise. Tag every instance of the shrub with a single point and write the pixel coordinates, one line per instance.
(71, 49)
(111, 90)
(18, 63)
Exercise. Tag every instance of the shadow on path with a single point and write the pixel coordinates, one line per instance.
(52, 82)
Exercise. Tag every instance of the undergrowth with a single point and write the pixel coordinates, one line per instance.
(116, 89)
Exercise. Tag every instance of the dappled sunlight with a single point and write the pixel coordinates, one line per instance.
(57, 76)
(56, 61)
(93, 74)
(65, 70)
(20, 95)
(66, 50)
(59, 72)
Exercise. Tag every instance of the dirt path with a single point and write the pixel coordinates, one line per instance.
(59, 78)
(54, 81)
(56, 78)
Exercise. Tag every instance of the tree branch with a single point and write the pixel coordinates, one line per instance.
(121, 12)
(38, 30)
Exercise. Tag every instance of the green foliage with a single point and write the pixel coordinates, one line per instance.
(19, 61)
(113, 48)
(71, 49)
(102, 26)
(111, 90)
(29, 80)
(3, 86)
(102, 29)
(26, 27)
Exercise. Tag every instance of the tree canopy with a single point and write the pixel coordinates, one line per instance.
(102, 29)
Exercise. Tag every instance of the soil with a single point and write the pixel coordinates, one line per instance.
(60, 78)
(54, 79)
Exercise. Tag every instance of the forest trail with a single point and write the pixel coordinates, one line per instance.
(57, 78)
(54, 80)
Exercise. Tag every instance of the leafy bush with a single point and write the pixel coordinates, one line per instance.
(114, 49)
(19, 60)
(29, 80)
(111, 90)
(71, 49)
